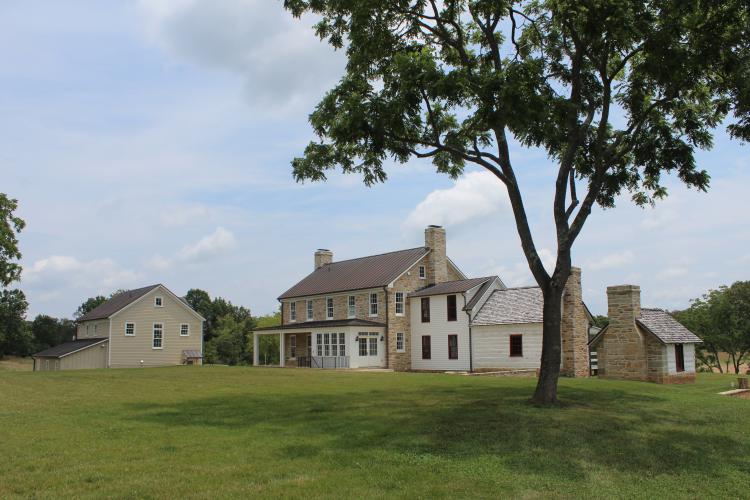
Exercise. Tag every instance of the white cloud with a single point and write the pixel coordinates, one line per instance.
(612, 261)
(217, 243)
(475, 195)
(672, 272)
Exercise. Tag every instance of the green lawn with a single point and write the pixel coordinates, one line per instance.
(232, 432)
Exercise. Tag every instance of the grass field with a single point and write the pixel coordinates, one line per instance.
(12, 363)
(233, 432)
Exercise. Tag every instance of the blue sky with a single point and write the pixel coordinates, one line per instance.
(150, 142)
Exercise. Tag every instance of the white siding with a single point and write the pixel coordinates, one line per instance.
(438, 329)
(491, 345)
(689, 353)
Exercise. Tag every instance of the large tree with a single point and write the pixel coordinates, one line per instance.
(617, 92)
(14, 333)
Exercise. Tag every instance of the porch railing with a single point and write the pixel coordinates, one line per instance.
(323, 361)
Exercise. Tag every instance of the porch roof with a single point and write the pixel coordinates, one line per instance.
(332, 323)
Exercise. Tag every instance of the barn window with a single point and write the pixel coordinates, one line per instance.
(679, 357)
(158, 336)
(452, 346)
(451, 308)
(516, 346)
(426, 347)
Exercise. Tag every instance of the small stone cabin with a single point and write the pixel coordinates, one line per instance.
(643, 344)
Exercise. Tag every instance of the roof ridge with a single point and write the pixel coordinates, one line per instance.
(517, 288)
(374, 255)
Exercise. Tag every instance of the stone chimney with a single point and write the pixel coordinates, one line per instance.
(437, 261)
(323, 256)
(574, 328)
(624, 347)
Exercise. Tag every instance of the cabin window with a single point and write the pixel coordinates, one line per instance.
(516, 346)
(679, 357)
(400, 342)
(292, 311)
(426, 347)
(373, 304)
(293, 346)
(329, 308)
(422, 273)
(129, 329)
(425, 309)
(309, 310)
(158, 336)
(158, 302)
(452, 308)
(352, 303)
(452, 346)
(319, 344)
(399, 303)
(184, 330)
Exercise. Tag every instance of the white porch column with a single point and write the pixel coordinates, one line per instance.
(256, 349)
(282, 350)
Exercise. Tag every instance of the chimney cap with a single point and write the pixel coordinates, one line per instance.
(322, 250)
(435, 226)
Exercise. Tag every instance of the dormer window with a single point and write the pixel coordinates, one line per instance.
(422, 273)
(158, 302)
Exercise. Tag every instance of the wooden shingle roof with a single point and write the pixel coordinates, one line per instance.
(667, 329)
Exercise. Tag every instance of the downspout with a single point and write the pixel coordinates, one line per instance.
(387, 328)
(471, 348)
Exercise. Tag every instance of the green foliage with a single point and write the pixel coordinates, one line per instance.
(229, 344)
(214, 310)
(268, 320)
(722, 319)
(10, 226)
(90, 304)
(48, 331)
(601, 321)
(15, 335)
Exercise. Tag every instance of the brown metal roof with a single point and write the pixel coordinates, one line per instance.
(66, 348)
(458, 286)
(356, 274)
(116, 303)
(335, 323)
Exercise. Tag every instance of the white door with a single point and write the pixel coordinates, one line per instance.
(371, 349)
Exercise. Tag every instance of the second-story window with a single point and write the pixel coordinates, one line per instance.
(352, 304)
(373, 304)
(399, 303)
(452, 308)
(292, 311)
(309, 310)
(158, 302)
(425, 309)
(422, 273)
(329, 308)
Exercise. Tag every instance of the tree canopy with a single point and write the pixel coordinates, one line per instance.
(617, 93)
(89, 305)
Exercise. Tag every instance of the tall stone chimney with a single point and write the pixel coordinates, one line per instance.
(574, 328)
(624, 346)
(437, 261)
(323, 256)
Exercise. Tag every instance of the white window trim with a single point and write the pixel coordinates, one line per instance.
(292, 312)
(396, 302)
(331, 309)
(181, 334)
(403, 342)
(160, 299)
(309, 310)
(370, 304)
(153, 327)
(348, 306)
(126, 328)
(422, 272)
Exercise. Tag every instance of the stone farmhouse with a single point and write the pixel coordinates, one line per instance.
(415, 310)
(149, 326)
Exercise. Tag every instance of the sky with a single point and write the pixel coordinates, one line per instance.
(150, 142)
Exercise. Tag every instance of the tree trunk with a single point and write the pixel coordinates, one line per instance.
(549, 372)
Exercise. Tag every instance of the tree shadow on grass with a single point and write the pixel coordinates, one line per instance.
(434, 424)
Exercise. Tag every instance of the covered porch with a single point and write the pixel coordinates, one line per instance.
(327, 344)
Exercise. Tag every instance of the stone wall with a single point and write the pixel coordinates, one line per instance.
(409, 282)
(437, 260)
(340, 307)
(622, 351)
(574, 329)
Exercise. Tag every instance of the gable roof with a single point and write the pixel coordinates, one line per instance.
(356, 274)
(116, 303)
(667, 329)
(511, 306)
(66, 348)
(457, 286)
(480, 293)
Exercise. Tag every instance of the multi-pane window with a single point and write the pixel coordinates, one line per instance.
(334, 345)
(293, 346)
(400, 342)
(352, 303)
(331, 344)
(329, 308)
(292, 311)
(158, 302)
(373, 346)
(129, 329)
(422, 273)
(452, 346)
(319, 344)
(309, 310)
(342, 344)
(516, 346)
(425, 303)
(362, 345)
(399, 303)
(452, 314)
(158, 336)
(326, 344)
(184, 330)
(426, 347)
(373, 304)
(368, 343)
